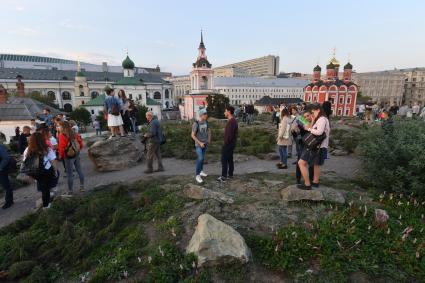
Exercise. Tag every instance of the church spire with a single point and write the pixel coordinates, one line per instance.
(201, 44)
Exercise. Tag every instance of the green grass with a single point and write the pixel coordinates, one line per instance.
(101, 236)
(251, 140)
(350, 241)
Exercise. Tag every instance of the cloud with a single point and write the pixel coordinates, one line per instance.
(19, 8)
(71, 25)
(24, 31)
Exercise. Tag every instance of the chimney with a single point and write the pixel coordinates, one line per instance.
(3, 95)
(20, 87)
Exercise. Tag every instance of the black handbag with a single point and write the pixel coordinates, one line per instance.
(313, 142)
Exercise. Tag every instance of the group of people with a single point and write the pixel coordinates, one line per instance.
(120, 112)
(372, 111)
(42, 146)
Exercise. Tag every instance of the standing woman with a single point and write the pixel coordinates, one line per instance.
(315, 156)
(284, 138)
(37, 146)
(125, 103)
(70, 144)
(132, 114)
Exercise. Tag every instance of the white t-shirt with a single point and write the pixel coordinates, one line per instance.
(48, 158)
(75, 128)
(53, 141)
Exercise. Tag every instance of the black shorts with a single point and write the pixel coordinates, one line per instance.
(315, 157)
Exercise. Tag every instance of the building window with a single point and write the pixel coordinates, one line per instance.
(51, 95)
(130, 96)
(167, 94)
(92, 112)
(341, 100)
(157, 95)
(66, 95)
(347, 112)
(349, 99)
(94, 94)
(67, 107)
(339, 112)
(82, 102)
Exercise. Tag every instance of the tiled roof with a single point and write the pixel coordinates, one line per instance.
(98, 101)
(29, 58)
(150, 101)
(38, 74)
(23, 108)
(267, 100)
(129, 81)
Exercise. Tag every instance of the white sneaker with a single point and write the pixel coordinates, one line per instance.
(199, 179)
(202, 174)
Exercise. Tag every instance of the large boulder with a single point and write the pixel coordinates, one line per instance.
(331, 195)
(198, 192)
(292, 193)
(216, 243)
(116, 154)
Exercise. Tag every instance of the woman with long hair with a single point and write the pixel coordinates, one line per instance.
(37, 146)
(70, 144)
(284, 138)
(132, 110)
(125, 103)
(316, 157)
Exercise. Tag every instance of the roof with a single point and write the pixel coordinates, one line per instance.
(257, 82)
(98, 101)
(129, 81)
(23, 108)
(267, 100)
(55, 75)
(201, 62)
(128, 63)
(150, 101)
(29, 58)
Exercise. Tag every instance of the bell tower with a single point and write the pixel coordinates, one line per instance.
(201, 76)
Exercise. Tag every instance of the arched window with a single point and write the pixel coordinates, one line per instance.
(66, 95)
(167, 94)
(51, 95)
(157, 95)
(67, 107)
(94, 94)
(81, 90)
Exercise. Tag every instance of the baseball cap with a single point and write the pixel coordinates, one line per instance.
(202, 111)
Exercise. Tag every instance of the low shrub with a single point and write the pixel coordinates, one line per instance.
(394, 158)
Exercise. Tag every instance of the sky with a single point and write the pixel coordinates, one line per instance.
(373, 34)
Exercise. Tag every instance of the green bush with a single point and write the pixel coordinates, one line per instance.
(21, 268)
(394, 159)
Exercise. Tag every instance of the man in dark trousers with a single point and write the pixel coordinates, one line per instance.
(4, 176)
(153, 143)
(230, 137)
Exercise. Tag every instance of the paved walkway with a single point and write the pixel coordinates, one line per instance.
(25, 198)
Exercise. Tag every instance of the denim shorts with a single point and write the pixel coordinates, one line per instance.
(315, 157)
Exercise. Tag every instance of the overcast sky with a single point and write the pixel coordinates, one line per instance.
(376, 34)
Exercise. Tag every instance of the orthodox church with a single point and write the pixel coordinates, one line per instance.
(341, 93)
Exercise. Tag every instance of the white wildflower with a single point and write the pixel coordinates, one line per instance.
(181, 267)
(161, 251)
(415, 240)
(388, 231)
(173, 232)
(399, 203)
(125, 274)
(277, 248)
(352, 221)
(193, 265)
(365, 211)
(399, 217)
(391, 196)
(301, 259)
(358, 242)
(417, 254)
(149, 259)
(369, 227)
(139, 259)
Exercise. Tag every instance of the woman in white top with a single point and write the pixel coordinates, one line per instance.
(37, 146)
(284, 138)
(316, 157)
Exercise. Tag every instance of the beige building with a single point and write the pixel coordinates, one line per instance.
(382, 86)
(231, 72)
(414, 86)
(181, 86)
(258, 67)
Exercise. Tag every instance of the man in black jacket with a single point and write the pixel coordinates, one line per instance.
(230, 137)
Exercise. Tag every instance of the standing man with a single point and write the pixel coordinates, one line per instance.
(4, 176)
(153, 141)
(46, 117)
(230, 137)
(201, 134)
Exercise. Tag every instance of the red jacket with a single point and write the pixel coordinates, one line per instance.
(63, 144)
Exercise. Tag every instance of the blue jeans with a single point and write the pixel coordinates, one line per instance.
(70, 163)
(133, 125)
(98, 132)
(200, 153)
(4, 182)
(283, 152)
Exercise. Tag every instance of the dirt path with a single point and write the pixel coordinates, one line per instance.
(25, 198)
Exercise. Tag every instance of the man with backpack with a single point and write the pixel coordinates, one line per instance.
(4, 176)
(201, 134)
(154, 139)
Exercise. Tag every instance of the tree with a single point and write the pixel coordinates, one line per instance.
(217, 102)
(141, 114)
(363, 99)
(45, 99)
(81, 115)
(102, 121)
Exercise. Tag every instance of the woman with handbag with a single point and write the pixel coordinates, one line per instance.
(70, 145)
(45, 171)
(283, 138)
(316, 146)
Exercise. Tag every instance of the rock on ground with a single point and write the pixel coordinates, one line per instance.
(198, 192)
(292, 193)
(116, 153)
(216, 243)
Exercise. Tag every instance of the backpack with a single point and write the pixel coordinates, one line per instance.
(12, 166)
(115, 110)
(33, 166)
(73, 149)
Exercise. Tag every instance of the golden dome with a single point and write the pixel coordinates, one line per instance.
(334, 61)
